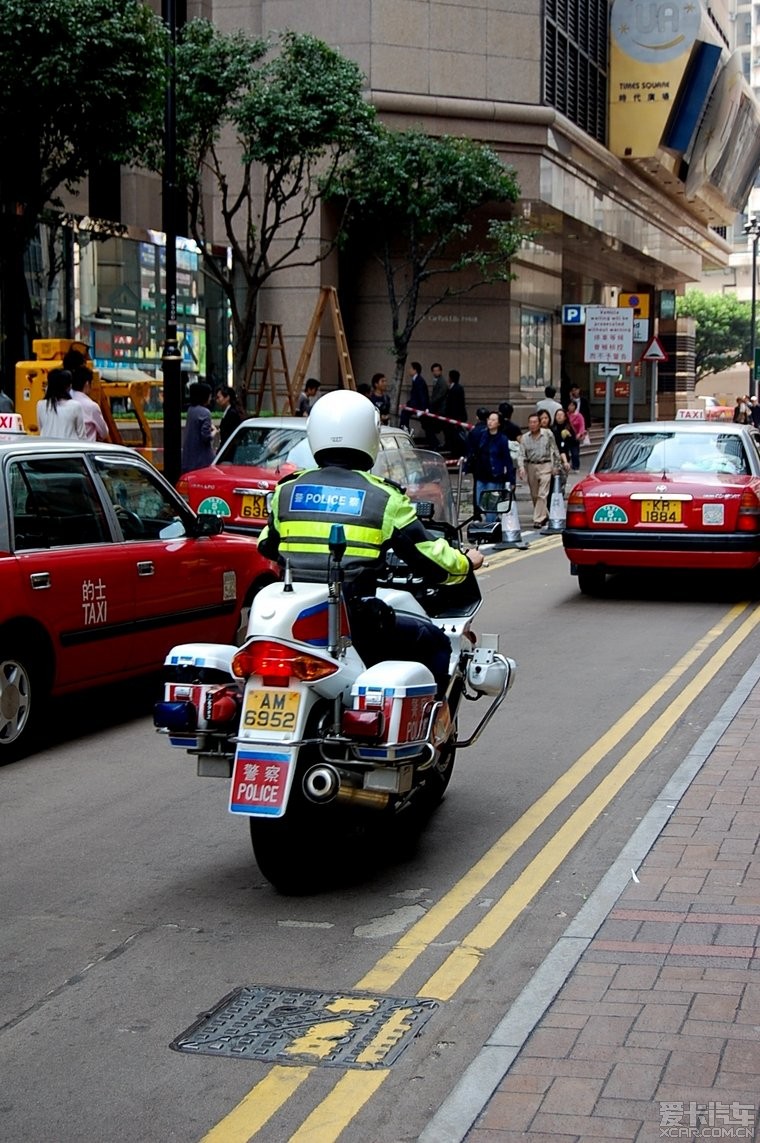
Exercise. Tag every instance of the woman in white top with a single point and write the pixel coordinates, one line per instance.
(58, 416)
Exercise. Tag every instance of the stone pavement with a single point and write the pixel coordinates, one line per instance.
(644, 1021)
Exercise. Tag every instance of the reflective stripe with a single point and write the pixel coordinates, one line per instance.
(441, 553)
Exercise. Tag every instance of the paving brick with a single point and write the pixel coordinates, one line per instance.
(657, 1017)
(737, 935)
(590, 1127)
(742, 1056)
(511, 1109)
(571, 1096)
(557, 1017)
(485, 1135)
(584, 988)
(632, 1081)
(592, 1069)
(554, 1043)
(709, 1006)
(685, 1067)
(683, 883)
(607, 1029)
(525, 1083)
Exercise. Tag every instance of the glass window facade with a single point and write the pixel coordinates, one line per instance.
(576, 35)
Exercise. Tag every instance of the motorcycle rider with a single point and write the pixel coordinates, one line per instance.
(344, 436)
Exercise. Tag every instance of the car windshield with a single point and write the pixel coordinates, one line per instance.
(668, 452)
(262, 446)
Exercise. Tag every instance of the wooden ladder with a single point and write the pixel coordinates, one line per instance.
(270, 365)
(328, 296)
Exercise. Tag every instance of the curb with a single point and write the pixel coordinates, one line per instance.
(459, 1111)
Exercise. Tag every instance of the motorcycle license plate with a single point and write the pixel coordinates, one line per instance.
(261, 782)
(270, 709)
(254, 507)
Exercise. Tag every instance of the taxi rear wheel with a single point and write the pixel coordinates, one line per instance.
(591, 581)
(20, 684)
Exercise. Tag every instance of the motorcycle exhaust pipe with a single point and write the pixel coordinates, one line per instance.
(321, 784)
(369, 799)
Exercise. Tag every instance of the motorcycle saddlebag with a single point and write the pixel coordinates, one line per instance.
(404, 694)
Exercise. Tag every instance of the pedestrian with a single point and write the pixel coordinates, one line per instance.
(491, 462)
(58, 416)
(511, 431)
(549, 401)
(583, 406)
(6, 405)
(438, 392)
(754, 412)
(95, 426)
(232, 414)
(740, 412)
(197, 446)
(418, 394)
(473, 439)
(379, 397)
(308, 397)
(539, 461)
(455, 436)
(578, 425)
(565, 438)
(545, 418)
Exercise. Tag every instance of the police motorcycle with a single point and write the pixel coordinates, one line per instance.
(315, 743)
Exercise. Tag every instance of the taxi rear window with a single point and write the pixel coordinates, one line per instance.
(675, 452)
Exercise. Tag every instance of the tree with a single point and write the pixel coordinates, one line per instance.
(296, 110)
(422, 203)
(723, 332)
(81, 84)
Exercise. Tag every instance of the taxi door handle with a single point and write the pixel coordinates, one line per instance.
(39, 580)
(145, 567)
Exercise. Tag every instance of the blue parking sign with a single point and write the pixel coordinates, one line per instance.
(573, 315)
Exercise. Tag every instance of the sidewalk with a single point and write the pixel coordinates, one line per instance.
(644, 1021)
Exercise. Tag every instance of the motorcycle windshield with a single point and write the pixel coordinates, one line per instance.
(427, 480)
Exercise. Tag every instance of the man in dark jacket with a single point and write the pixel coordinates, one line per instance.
(418, 395)
(455, 436)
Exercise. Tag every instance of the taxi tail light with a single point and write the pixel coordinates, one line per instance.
(278, 664)
(222, 706)
(576, 510)
(748, 519)
(183, 488)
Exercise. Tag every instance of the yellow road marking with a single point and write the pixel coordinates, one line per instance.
(258, 1106)
(499, 559)
(320, 1039)
(384, 974)
(464, 960)
(354, 1089)
(337, 1109)
(388, 1036)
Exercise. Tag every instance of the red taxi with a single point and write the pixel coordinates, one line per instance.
(264, 449)
(675, 494)
(103, 568)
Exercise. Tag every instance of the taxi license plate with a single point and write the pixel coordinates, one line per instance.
(660, 511)
(271, 709)
(254, 507)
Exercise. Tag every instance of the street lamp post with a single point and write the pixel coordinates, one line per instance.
(171, 360)
(752, 230)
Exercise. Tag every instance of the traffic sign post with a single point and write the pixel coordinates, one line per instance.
(609, 334)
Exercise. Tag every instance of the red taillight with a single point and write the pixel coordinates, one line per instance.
(183, 488)
(748, 519)
(222, 706)
(363, 723)
(576, 510)
(278, 663)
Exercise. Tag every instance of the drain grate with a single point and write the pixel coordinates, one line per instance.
(301, 1026)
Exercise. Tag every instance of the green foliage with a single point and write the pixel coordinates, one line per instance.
(435, 207)
(81, 82)
(723, 332)
(295, 110)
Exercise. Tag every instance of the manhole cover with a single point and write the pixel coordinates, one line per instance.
(300, 1026)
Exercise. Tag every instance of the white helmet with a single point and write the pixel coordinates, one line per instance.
(344, 428)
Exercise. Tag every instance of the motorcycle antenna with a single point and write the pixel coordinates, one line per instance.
(337, 546)
(287, 577)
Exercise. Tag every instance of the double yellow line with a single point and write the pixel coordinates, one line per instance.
(355, 1088)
